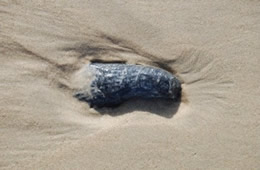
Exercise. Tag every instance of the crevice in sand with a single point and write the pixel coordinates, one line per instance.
(106, 46)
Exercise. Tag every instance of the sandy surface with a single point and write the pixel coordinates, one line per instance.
(212, 46)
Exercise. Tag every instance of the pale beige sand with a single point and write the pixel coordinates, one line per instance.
(214, 47)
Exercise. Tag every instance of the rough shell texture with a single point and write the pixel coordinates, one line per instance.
(115, 83)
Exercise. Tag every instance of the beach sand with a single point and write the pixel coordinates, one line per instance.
(212, 46)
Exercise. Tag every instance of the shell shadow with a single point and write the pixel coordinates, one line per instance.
(161, 107)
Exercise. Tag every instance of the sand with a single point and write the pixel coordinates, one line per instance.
(212, 46)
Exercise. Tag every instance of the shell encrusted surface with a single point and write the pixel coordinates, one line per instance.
(115, 83)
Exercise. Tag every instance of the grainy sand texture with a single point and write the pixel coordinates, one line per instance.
(213, 47)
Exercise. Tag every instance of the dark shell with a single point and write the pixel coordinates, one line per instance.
(115, 83)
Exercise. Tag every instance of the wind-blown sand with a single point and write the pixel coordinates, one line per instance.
(212, 46)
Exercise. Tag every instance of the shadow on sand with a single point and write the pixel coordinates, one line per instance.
(161, 107)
